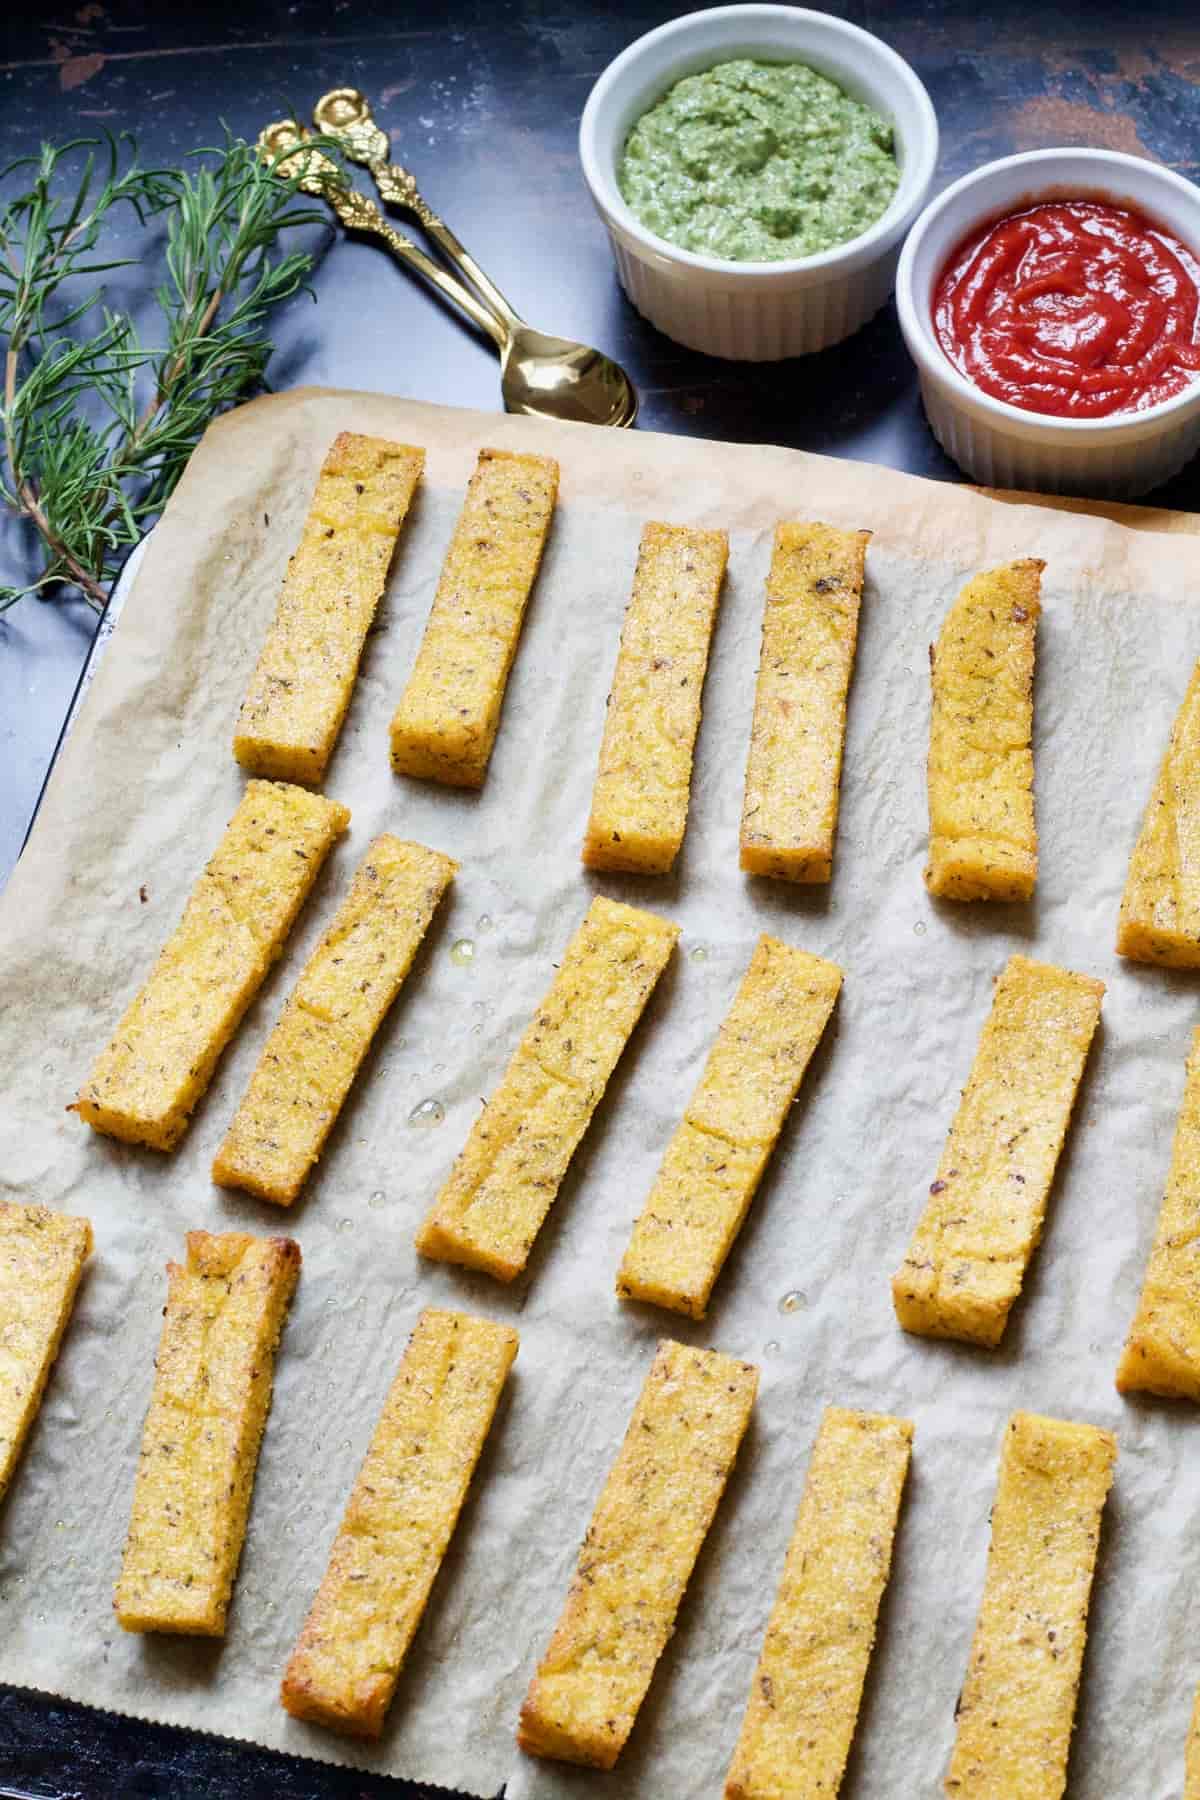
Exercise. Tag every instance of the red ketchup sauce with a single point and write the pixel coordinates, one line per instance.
(1075, 308)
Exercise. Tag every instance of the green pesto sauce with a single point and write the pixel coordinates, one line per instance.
(758, 162)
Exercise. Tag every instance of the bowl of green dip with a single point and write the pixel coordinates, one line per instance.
(757, 168)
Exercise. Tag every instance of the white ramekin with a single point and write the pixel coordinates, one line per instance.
(757, 311)
(998, 444)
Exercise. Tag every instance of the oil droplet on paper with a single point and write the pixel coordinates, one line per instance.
(377, 1199)
(485, 923)
(700, 953)
(919, 928)
(793, 1301)
(427, 1113)
(771, 1348)
(462, 952)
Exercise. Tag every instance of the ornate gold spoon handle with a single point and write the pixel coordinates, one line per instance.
(345, 114)
(320, 175)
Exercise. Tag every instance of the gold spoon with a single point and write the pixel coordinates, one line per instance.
(549, 376)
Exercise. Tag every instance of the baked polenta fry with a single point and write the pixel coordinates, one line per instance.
(315, 1051)
(449, 713)
(301, 687)
(716, 1157)
(147, 1083)
(505, 1180)
(1162, 1352)
(1191, 1774)
(638, 1555)
(401, 1516)
(640, 800)
(212, 1390)
(42, 1254)
(809, 636)
(982, 835)
(1160, 909)
(983, 1220)
(807, 1688)
(1016, 1711)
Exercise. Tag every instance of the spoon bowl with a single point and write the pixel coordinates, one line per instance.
(554, 378)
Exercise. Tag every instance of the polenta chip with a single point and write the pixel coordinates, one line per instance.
(147, 1083)
(638, 1554)
(448, 716)
(718, 1153)
(810, 631)
(984, 1217)
(806, 1691)
(301, 687)
(42, 1254)
(505, 1180)
(640, 801)
(1160, 909)
(982, 835)
(1162, 1353)
(312, 1056)
(1191, 1775)
(1017, 1707)
(212, 1391)
(401, 1516)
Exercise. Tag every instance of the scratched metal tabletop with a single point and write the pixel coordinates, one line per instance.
(482, 98)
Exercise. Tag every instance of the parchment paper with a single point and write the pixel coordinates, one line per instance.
(143, 791)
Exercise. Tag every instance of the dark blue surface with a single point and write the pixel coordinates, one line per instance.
(483, 99)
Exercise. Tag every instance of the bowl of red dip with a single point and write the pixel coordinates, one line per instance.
(1051, 302)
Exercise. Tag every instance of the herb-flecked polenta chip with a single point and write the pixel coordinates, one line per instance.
(208, 1409)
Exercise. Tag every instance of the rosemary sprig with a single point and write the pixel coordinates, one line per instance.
(97, 424)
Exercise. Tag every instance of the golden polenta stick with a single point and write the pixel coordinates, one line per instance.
(400, 1518)
(335, 1009)
(448, 716)
(638, 1555)
(806, 1691)
(301, 686)
(1160, 909)
(810, 629)
(715, 1159)
(984, 1217)
(1191, 1775)
(42, 1254)
(640, 800)
(212, 1390)
(982, 834)
(1162, 1352)
(505, 1180)
(1017, 1707)
(146, 1084)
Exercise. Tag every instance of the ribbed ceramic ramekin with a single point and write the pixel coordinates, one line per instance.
(1000, 445)
(757, 311)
